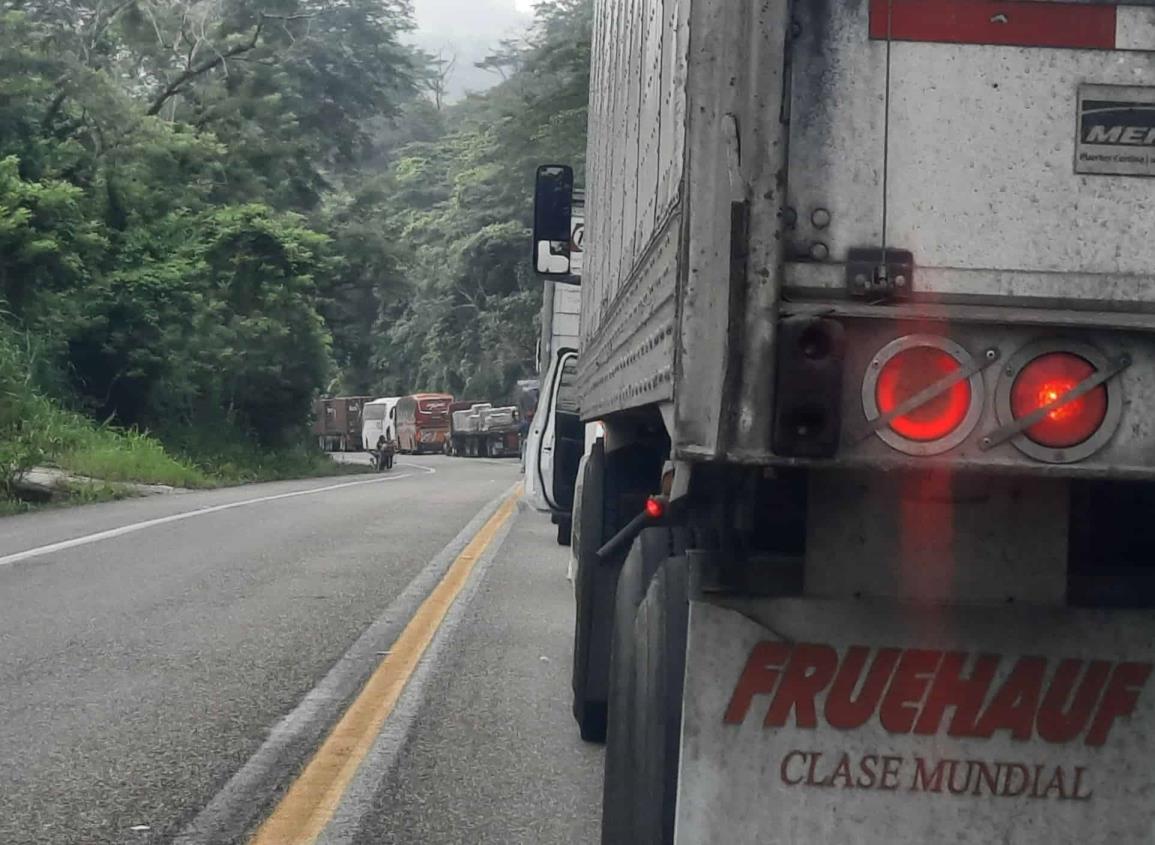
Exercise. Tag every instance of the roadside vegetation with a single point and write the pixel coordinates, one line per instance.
(213, 212)
(105, 460)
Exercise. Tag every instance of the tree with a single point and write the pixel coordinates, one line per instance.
(152, 156)
(460, 215)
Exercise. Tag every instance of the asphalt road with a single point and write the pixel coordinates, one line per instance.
(493, 754)
(143, 673)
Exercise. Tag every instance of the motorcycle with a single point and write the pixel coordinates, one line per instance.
(383, 455)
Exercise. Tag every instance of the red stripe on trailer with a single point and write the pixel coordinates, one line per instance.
(1019, 23)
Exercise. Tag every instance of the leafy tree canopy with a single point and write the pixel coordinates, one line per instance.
(213, 210)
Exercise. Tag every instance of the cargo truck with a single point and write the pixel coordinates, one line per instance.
(865, 554)
(337, 423)
(477, 429)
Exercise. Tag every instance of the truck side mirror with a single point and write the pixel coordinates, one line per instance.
(552, 214)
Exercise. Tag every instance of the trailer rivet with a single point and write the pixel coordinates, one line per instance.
(819, 251)
(875, 364)
(992, 354)
(789, 216)
(820, 218)
(986, 441)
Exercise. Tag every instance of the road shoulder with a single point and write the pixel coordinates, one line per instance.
(249, 795)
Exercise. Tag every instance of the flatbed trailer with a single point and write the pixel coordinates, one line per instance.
(478, 429)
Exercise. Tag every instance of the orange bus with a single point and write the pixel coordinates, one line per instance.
(423, 422)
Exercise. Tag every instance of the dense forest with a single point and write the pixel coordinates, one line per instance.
(211, 211)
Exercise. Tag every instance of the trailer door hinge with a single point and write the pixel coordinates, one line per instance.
(877, 276)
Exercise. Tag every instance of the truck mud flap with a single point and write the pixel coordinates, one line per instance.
(810, 720)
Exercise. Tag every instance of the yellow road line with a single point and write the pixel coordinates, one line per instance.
(314, 796)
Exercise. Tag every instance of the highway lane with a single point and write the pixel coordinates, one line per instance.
(140, 672)
(490, 753)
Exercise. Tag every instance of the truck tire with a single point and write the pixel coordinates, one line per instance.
(614, 492)
(589, 708)
(627, 813)
(660, 631)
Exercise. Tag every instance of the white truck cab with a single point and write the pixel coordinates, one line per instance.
(555, 443)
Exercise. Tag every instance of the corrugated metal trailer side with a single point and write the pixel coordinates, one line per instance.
(633, 203)
(669, 116)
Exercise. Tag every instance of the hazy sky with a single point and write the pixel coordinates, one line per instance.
(469, 28)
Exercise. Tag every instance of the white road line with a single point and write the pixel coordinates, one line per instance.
(39, 551)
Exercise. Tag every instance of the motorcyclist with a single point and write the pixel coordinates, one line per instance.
(383, 455)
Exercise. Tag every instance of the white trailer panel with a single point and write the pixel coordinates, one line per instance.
(977, 144)
(634, 171)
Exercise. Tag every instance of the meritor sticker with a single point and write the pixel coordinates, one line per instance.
(1116, 131)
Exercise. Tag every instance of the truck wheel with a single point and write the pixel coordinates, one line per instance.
(614, 491)
(660, 631)
(590, 577)
(626, 794)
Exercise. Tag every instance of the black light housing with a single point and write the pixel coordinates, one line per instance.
(808, 395)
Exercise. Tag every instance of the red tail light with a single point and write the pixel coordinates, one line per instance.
(912, 371)
(655, 508)
(906, 371)
(1045, 380)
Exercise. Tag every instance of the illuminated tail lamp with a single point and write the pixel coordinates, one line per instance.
(655, 508)
(1046, 380)
(906, 368)
(1041, 375)
(911, 371)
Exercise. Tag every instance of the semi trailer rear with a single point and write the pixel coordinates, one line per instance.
(479, 430)
(337, 423)
(868, 307)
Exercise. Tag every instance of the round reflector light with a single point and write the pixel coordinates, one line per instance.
(912, 371)
(1045, 380)
(906, 367)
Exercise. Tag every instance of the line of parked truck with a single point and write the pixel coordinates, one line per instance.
(424, 423)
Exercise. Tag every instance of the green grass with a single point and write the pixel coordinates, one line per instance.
(114, 458)
(35, 431)
(126, 456)
(70, 494)
(229, 458)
